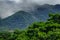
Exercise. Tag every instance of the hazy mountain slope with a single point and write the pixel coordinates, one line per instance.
(21, 19)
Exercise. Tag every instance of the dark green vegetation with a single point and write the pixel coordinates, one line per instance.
(49, 30)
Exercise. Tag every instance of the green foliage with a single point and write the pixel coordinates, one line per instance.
(49, 30)
(54, 18)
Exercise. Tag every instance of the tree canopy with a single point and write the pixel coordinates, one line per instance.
(49, 30)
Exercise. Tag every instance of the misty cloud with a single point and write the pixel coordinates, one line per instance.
(9, 7)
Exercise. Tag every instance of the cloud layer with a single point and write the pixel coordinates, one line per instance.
(9, 7)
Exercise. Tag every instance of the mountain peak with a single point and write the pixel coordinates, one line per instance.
(22, 19)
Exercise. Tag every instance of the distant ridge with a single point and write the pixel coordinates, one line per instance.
(22, 19)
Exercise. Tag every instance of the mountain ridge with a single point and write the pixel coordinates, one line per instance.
(21, 19)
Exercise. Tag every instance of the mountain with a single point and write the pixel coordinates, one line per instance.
(19, 20)
(0, 21)
(22, 19)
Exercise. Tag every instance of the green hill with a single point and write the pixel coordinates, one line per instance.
(49, 30)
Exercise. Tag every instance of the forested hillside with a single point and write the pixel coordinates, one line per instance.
(48, 30)
(21, 19)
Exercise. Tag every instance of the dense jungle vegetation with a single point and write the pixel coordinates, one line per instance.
(48, 30)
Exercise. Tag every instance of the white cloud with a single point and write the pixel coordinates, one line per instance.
(16, 1)
(8, 7)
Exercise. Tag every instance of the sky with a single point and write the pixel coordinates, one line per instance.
(9, 7)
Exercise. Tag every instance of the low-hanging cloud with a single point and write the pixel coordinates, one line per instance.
(9, 7)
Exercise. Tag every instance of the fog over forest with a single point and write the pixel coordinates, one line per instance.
(9, 7)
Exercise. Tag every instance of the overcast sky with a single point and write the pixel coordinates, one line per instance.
(9, 7)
